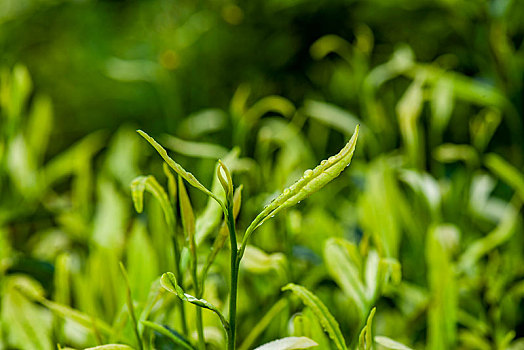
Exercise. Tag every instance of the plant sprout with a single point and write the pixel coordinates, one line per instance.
(312, 181)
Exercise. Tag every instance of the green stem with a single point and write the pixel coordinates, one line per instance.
(200, 329)
(198, 293)
(178, 276)
(234, 277)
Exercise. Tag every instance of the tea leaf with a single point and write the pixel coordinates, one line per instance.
(171, 183)
(321, 312)
(408, 109)
(335, 117)
(442, 313)
(194, 149)
(212, 215)
(111, 347)
(87, 321)
(311, 182)
(39, 126)
(502, 233)
(306, 324)
(267, 104)
(150, 184)
(263, 323)
(165, 332)
(390, 343)
(346, 273)
(188, 217)
(364, 340)
(223, 233)
(227, 181)
(190, 178)
(289, 343)
(506, 172)
(169, 282)
(130, 307)
(27, 325)
(142, 260)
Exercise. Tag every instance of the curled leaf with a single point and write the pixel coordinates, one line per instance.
(150, 184)
(225, 179)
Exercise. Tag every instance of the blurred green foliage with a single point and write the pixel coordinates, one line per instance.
(425, 225)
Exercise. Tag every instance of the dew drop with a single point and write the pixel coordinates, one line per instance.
(324, 162)
(331, 159)
(308, 173)
(286, 192)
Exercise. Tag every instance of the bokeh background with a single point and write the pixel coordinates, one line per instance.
(435, 187)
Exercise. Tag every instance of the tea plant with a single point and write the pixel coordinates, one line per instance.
(312, 181)
(418, 243)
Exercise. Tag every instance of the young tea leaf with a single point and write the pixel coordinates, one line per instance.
(223, 233)
(289, 343)
(188, 218)
(364, 340)
(169, 282)
(150, 184)
(321, 312)
(190, 178)
(130, 307)
(311, 182)
(263, 323)
(346, 272)
(171, 183)
(111, 347)
(390, 343)
(87, 321)
(506, 172)
(225, 179)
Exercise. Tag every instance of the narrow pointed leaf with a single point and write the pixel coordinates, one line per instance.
(130, 307)
(190, 178)
(346, 273)
(311, 182)
(188, 217)
(327, 320)
(365, 341)
(87, 321)
(165, 332)
(171, 183)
